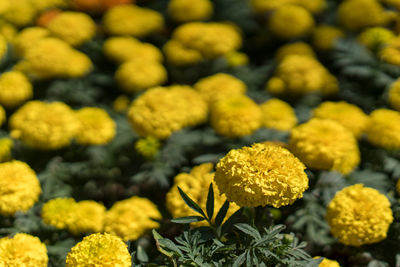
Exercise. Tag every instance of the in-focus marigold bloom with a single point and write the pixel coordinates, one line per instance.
(262, 6)
(131, 218)
(6, 145)
(325, 145)
(325, 36)
(390, 52)
(88, 217)
(20, 13)
(290, 21)
(261, 175)
(44, 125)
(125, 48)
(179, 55)
(375, 37)
(236, 116)
(196, 184)
(19, 187)
(278, 114)
(136, 75)
(23, 250)
(132, 20)
(384, 129)
(358, 14)
(58, 212)
(348, 115)
(394, 95)
(236, 59)
(101, 250)
(327, 263)
(163, 110)
(75, 28)
(15, 89)
(3, 47)
(297, 48)
(188, 10)
(97, 128)
(147, 147)
(220, 86)
(300, 74)
(27, 38)
(359, 215)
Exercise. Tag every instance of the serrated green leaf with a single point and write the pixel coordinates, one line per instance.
(239, 260)
(247, 229)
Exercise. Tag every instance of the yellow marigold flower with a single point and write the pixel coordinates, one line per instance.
(262, 6)
(46, 4)
(147, 147)
(297, 48)
(121, 103)
(390, 52)
(375, 37)
(97, 128)
(210, 39)
(125, 48)
(300, 74)
(44, 125)
(53, 58)
(163, 110)
(27, 38)
(20, 13)
(7, 30)
(357, 14)
(236, 59)
(384, 129)
(236, 116)
(136, 75)
(327, 263)
(187, 10)
(196, 184)
(325, 145)
(325, 36)
(75, 28)
(88, 217)
(290, 21)
(359, 215)
(278, 114)
(15, 89)
(220, 86)
(23, 250)
(348, 115)
(394, 95)
(261, 175)
(100, 250)
(2, 115)
(179, 55)
(6, 145)
(19, 187)
(132, 20)
(3, 47)
(131, 218)
(59, 212)
(4, 5)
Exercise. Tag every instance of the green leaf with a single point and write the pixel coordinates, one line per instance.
(247, 229)
(210, 202)
(221, 213)
(193, 205)
(239, 260)
(229, 223)
(141, 254)
(188, 219)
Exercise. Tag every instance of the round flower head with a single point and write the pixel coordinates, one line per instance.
(290, 21)
(121, 103)
(327, 263)
(44, 125)
(301, 74)
(187, 10)
(179, 55)
(297, 48)
(131, 218)
(58, 212)
(3, 47)
(262, 6)
(97, 6)
(357, 14)
(2, 115)
(132, 20)
(47, 4)
(101, 250)
(163, 110)
(359, 215)
(137, 75)
(75, 28)
(235, 59)
(97, 128)
(375, 37)
(20, 13)
(88, 217)
(261, 175)
(325, 36)
(394, 95)
(23, 250)
(27, 38)
(384, 129)
(15, 89)
(7, 30)
(277, 114)
(390, 53)
(122, 49)
(325, 145)
(220, 86)
(348, 115)
(196, 184)
(19, 187)
(47, 16)
(6, 145)
(236, 116)
(147, 147)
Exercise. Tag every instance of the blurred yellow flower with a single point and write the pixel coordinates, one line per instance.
(188, 10)
(277, 114)
(15, 89)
